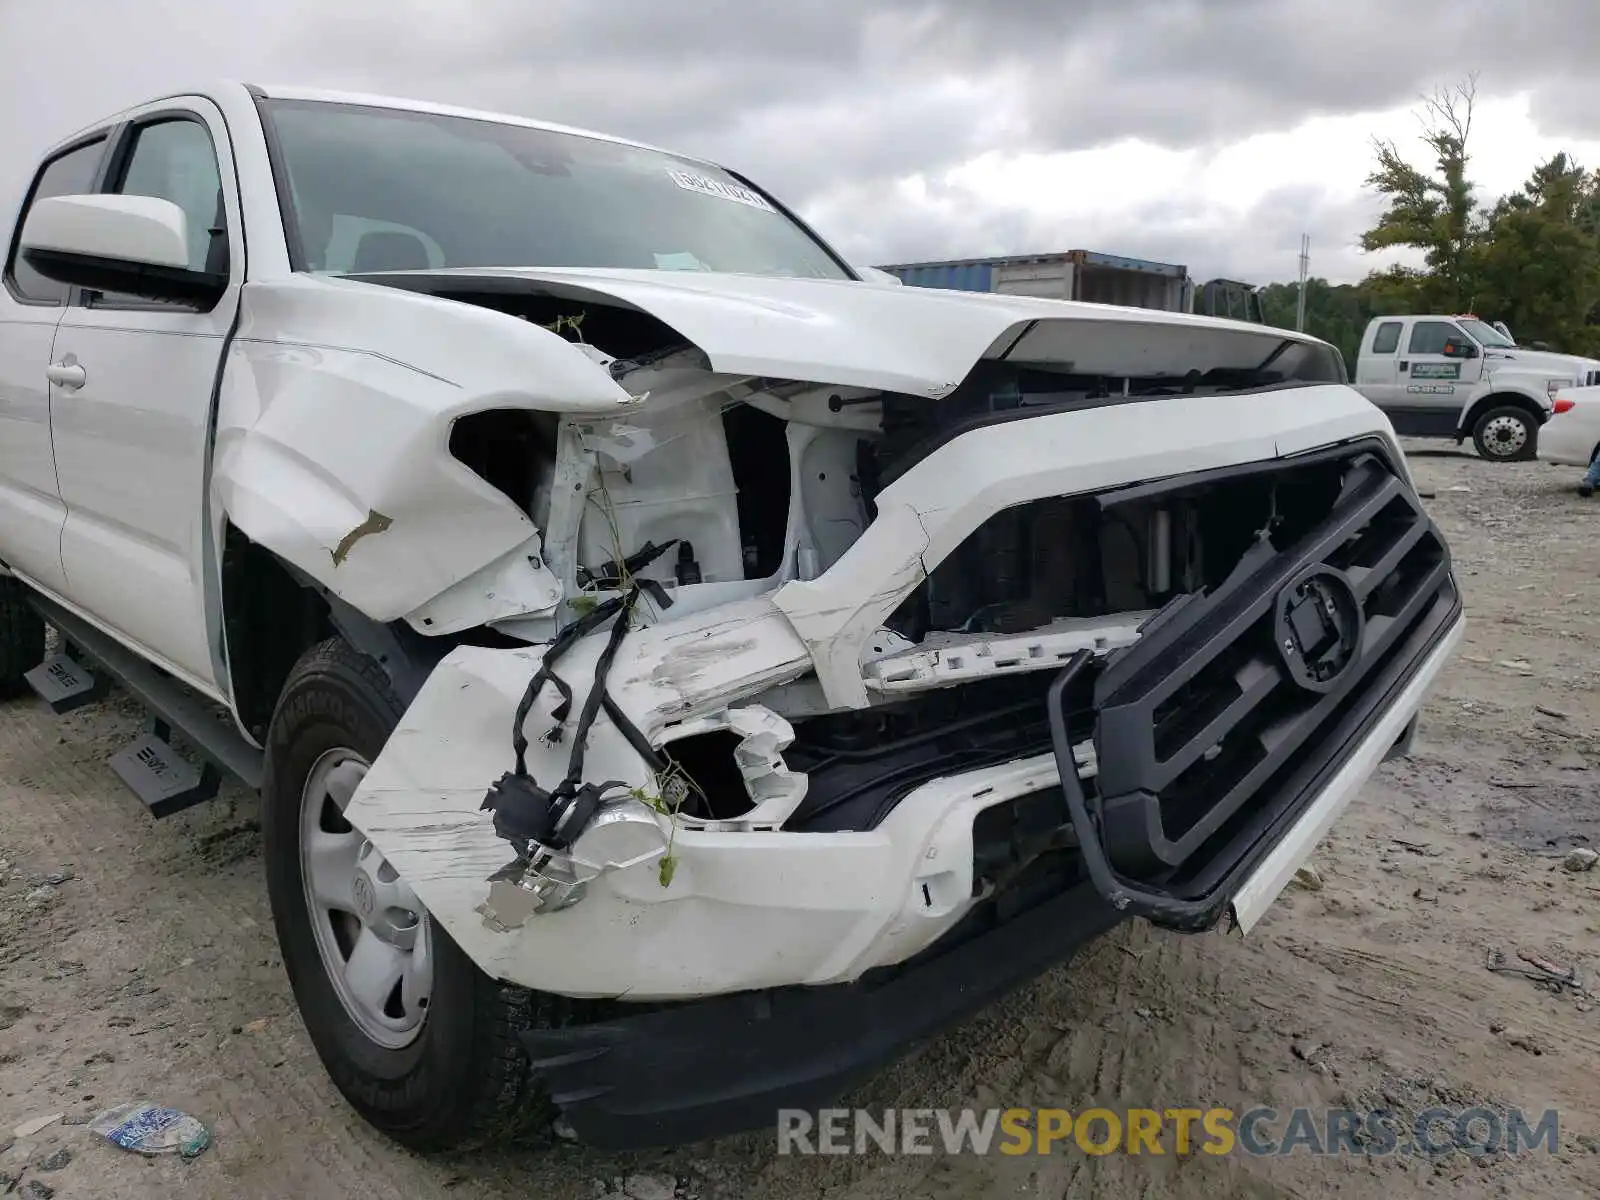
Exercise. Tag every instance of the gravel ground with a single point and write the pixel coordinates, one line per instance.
(152, 972)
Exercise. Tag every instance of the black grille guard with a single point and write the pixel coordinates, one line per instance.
(1219, 726)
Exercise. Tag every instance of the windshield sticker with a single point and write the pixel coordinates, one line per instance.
(1432, 389)
(1435, 370)
(690, 182)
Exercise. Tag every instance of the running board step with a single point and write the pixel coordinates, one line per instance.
(64, 684)
(163, 779)
(204, 729)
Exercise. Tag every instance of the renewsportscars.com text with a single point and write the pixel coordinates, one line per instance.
(1163, 1131)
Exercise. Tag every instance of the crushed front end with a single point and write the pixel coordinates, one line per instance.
(1019, 672)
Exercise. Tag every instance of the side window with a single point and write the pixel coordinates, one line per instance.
(69, 174)
(1387, 339)
(173, 160)
(1429, 337)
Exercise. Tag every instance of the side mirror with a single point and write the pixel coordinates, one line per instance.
(879, 277)
(133, 244)
(1460, 350)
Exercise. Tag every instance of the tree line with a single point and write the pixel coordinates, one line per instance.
(1530, 259)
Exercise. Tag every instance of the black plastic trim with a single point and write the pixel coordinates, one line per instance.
(184, 710)
(1027, 412)
(199, 290)
(1200, 904)
(727, 1064)
(293, 244)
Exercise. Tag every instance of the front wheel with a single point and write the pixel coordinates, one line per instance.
(419, 1040)
(1506, 434)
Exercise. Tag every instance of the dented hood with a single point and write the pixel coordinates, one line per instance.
(920, 341)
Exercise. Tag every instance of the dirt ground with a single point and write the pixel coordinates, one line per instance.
(152, 971)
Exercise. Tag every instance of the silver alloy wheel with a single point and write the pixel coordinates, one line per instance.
(370, 929)
(1505, 436)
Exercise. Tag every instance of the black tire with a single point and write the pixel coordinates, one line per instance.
(464, 1081)
(21, 637)
(1496, 440)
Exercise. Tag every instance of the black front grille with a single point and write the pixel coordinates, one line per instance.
(1217, 723)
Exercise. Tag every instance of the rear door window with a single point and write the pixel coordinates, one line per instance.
(1387, 339)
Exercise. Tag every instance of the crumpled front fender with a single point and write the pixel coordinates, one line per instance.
(332, 443)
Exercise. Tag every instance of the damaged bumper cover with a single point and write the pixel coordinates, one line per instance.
(752, 905)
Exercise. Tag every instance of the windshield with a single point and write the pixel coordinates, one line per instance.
(376, 189)
(1487, 335)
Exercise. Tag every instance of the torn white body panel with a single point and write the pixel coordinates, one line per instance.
(922, 518)
(752, 905)
(332, 433)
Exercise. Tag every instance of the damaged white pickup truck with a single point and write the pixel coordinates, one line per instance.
(681, 673)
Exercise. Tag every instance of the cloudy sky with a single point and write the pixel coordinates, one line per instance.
(1207, 132)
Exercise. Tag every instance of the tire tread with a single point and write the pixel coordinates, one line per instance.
(502, 1098)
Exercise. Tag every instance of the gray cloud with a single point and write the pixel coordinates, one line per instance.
(829, 101)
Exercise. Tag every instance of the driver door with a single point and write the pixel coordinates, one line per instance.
(1437, 370)
(132, 424)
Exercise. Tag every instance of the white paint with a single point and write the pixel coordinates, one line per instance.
(517, 584)
(921, 518)
(916, 341)
(774, 790)
(30, 531)
(132, 442)
(755, 906)
(333, 417)
(1573, 437)
(133, 229)
(1397, 380)
(1268, 880)
(946, 659)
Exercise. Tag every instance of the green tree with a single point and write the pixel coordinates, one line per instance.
(1335, 312)
(1430, 210)
(1539, 262)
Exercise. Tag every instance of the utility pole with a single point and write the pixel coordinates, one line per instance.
(1305, 267)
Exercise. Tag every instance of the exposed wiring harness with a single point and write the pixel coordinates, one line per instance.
(524, 812)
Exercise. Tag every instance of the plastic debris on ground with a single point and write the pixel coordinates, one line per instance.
(149, 1129)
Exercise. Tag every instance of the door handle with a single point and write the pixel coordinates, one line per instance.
(66, 374)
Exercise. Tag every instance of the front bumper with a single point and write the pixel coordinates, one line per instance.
(727, 1064)
(755, 906)
(1567, 443)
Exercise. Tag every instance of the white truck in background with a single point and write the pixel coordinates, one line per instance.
(1460, 377)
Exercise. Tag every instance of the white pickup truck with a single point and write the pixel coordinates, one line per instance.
(680, 672)
(1459, 377)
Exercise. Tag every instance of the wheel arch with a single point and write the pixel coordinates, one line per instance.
(1499, 399)
(272, 613)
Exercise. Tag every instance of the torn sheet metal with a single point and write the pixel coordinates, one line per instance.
(744, 909)
(517, 584)
(774, 790)
(333, 431)
(922, 519)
